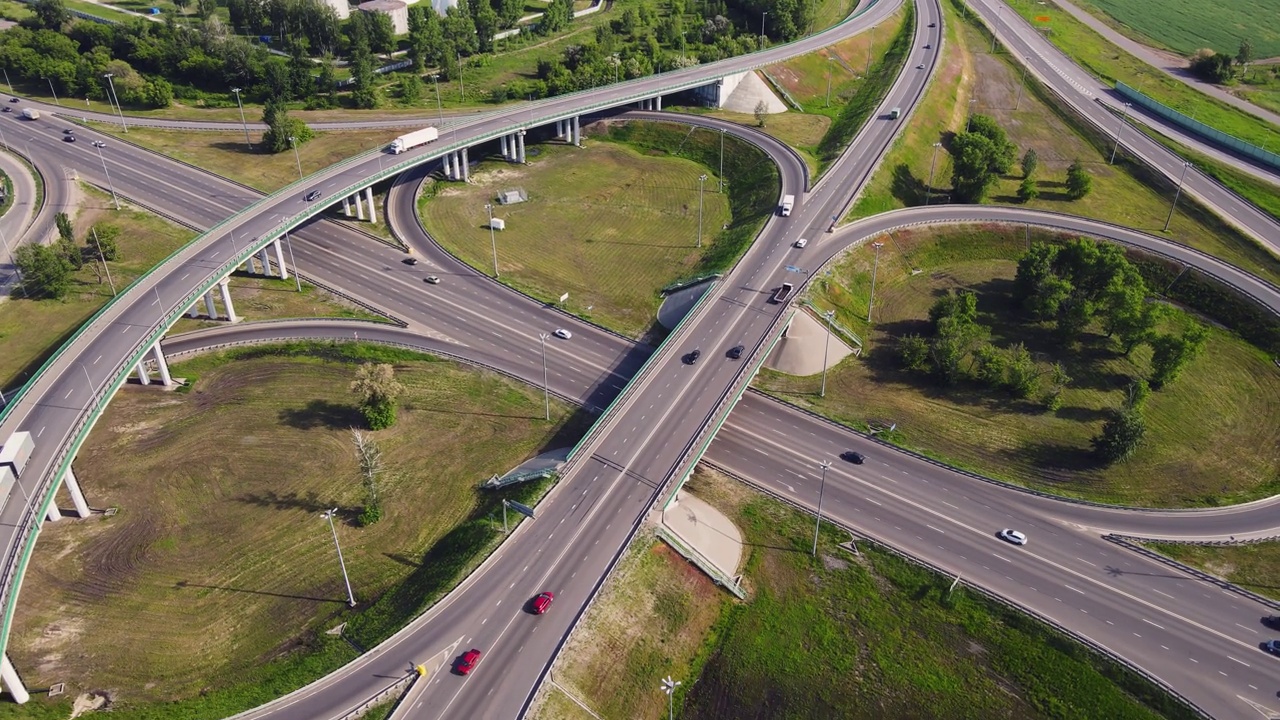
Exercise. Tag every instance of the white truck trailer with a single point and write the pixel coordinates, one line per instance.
(413, 140)
(788, 202)
(16, 451)
(31, 113)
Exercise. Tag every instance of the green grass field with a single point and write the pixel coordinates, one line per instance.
(214, 567)
(1253, 567)
(1212, 435)
(225, 153)
(1111, 64)
(1187, 25)
(612, 223)
(30, 330)
(263, 298)
(838, 636)
(1125, 193)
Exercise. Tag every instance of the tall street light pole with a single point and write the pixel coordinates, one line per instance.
(929, 190)
(293, 143)
(297, 279)
(762, 16)
(546, 391)
(243, 123)
(112, 86)
(669, 687)
(1174, 206)
(822, 487)
(874, 266)
(721, 159)
(829, 59)
(493, 239)
(435, 80)
(830, 316)
(103, 258)
(1018, 100)
(1119, 129)
(328, 515)
(99, 145)
(54, 92)
(870, 44)
(701, 180)
(969, 123)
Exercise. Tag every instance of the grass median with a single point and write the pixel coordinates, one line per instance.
(210, 590)
(613, 223)
(1254, 567)
(1212, 435)
(870, 636)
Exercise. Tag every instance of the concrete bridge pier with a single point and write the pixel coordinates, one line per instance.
(73, 488)
(373, 218)
(265, 257)
(11, 681)
(502, 145)
(346, 205)
(466, 166)
(284, 271)
(226, 301)
(520, 147)
(162, 365)
(143, 377)
(577, 132)
(560, 131)
(250, 266)
(208, 304)
(359, 207)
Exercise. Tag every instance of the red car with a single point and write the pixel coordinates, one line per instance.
(543, 602)
(468, 661)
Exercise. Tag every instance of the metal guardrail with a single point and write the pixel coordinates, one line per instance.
(1129, 542)
(841, 329)
(381, 696)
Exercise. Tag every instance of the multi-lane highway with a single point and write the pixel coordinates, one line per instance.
(617, 477)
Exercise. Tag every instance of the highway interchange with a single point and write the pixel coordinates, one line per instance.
(1204, 650)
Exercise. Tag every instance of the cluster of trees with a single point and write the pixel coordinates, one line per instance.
(1082, 283)
(983, 152)
(47, 270)
(1077, 287)
(1216, 67)
(959, 348)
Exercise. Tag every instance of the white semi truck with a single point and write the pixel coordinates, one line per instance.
(788, 202)
(413, 140)
(31, 113)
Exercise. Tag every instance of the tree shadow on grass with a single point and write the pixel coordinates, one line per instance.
(309, 502)
(906, 187)
(1055, 456)
(322, 414)
(1080, 414)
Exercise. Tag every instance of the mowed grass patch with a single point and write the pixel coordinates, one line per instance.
(1126, 193)
(1212, 435)
(1253, 567)
(1111, 64)
(264, 298)
(874, 636)
(31, 330)
(227, 155)
(607, 224)
(805, 76)
(218, 560)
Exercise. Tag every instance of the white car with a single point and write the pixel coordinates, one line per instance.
(802, 242)
(1012, 536)
(563, 334)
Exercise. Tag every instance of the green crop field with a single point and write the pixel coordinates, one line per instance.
(1188, 25)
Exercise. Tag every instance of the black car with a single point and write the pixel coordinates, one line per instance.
(1272, 646)
(410, 261)
(13, 100)
(854, 457)
(69, 131)
(68, 138)
(692, 357)
(1272, 621)
(313, 196)
(736, 351)
(7, 109)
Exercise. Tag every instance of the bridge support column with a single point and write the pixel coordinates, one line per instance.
(143, 377)
(77, 497)
(249, 266)
(226, 300)
(208, 305)
(657, 103)
(504, 142)
(284, 272)
(520, 145)
(466, 166)
(265, 257)
(359, 207)
(162, 366)
(577, 132)
(53, 514)
(373, 214)
(346, 205)
(11, 681)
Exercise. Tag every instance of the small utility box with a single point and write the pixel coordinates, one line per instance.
(497, 224)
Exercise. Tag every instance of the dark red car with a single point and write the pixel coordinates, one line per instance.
(543, 602)
(468, 661)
